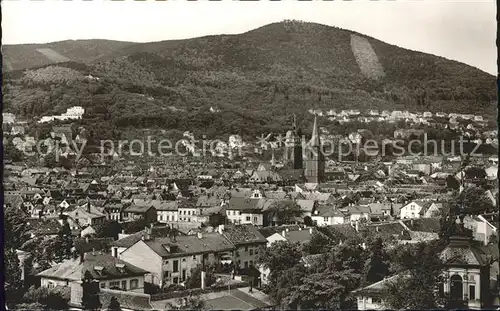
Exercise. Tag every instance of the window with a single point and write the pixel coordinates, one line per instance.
(134, 283)
(176, 280)
(255, 219)
(114, 284)
(248, 218)
(103, 285)
(256, 251)
(168, 217)
(246, 248)
(472, 292)
(161, 217)
(183, 274)
(194, 257)
(176, 266)
(189, 212)
(246, 264)
(325, 219)
(251, 252)
(183, 259)
(251, 263)
(124, 285)
(237, 254)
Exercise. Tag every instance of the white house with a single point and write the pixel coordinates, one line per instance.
(414, 209)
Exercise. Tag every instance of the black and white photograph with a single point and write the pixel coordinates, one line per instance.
(250, 155)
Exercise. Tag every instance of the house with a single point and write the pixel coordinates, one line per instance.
(414, 209)
(306, 207)
(86, 215)
(247, 241)
(370, 297)
(467, 274)
(434, 210)
(245, 211)
(167, 211)
(357, 212)
(327, 215)
(134, 212)
(114, 210)
(169, 260)
(111, 272)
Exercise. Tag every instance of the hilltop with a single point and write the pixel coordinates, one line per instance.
(256, 79)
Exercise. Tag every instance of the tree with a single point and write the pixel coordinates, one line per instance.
(416, 285)
(12, 274)
(194, 281)
(90, 296)
(46, 297)
(471, 200)
(376, 267)
(114, 305)
(16, 231)
(319, 243)
(279, 256)
(283, 212)
(108, 229)
(64, 243)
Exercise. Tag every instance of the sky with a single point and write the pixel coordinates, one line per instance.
(460, 30)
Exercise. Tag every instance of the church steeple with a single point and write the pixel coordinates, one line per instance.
(315, 142)
(315, 162)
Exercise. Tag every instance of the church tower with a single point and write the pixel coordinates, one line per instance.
(296, 154)
(315, 159)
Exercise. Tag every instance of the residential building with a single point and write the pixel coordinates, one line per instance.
(247, 241)
(111, 272)
(169, 260)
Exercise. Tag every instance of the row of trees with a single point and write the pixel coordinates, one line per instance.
(342, 265)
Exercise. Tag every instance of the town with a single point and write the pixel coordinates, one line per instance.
(279, 226)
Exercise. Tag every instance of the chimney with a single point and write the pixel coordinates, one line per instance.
(88, 207)
(200, 235)
(87, 238)
(123, 231)
(376, 228)
(310, 230)
(357, 226)
(283, 233)
(221, 229)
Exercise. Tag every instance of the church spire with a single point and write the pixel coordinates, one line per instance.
(315, 134)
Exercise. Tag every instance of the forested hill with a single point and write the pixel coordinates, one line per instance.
(256, 79)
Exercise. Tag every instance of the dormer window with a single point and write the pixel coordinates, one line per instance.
(120, 267)
(99, 269)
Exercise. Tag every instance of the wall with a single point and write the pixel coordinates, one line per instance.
(138, 289)
(140, 255)
(411, 210)
(239, 217)
(246, 254)
(46, 282)
(166, 216)
(369, 303)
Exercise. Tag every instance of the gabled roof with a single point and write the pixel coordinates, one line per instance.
(243, 234)
(189, 245)
(461, 251)
(74, 270)
(245, 204)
